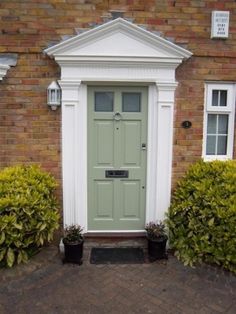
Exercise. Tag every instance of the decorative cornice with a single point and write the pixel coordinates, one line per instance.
(166, 86)
(69, 84)
(118, 61)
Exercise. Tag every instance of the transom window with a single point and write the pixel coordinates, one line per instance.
(131, 102)
(219, 98)
(219, 121)
(104, 101)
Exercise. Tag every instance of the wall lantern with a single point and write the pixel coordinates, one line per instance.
(54, 95)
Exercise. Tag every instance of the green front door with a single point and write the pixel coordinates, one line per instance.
(117, 141)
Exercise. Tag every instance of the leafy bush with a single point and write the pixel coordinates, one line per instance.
(28, 215)
(202, 215)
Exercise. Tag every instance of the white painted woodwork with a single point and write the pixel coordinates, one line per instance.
(111, 54)
(229, 109)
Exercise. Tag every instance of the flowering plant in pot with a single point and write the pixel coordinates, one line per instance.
(73, 241)
(157, 238)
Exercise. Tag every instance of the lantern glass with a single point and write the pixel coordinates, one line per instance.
(54, 94)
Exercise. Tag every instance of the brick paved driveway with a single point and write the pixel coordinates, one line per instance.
(47, 286)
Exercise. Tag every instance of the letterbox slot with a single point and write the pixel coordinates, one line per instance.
(116, 173)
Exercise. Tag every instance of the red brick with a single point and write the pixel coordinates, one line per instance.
(31, 132)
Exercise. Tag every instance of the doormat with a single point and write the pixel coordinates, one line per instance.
(117, 256)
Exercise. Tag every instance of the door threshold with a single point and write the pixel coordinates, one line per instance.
(115, 239)
(119, 234)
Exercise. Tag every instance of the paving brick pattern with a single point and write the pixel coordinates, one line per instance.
(47, 286)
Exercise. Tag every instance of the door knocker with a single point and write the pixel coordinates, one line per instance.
(117, 116)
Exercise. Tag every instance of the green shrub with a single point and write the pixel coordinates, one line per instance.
(28, 212)
(202, 215)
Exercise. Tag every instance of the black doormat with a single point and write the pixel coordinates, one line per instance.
(117, 256)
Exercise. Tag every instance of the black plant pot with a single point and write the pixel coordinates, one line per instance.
(73, 252)
(157, 249)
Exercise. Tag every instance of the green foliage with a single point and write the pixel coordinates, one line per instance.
(73, 234)
(156, 230)
(28, 212)
(202, 215)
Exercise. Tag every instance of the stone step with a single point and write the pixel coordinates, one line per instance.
(115, 242)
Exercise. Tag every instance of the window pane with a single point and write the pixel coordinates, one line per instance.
(104, 101)
(223, 98)
(211, 124)
(219, 98)
(211, 145)
(215, 97)
(222, 145)
(131, 102)
(223, 124)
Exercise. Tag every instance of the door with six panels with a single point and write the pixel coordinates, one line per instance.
(117, 149)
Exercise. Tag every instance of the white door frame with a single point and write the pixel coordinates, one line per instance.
(74, 150)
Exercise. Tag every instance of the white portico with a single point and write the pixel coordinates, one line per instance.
(117, 53)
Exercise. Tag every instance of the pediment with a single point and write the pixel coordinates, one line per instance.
(118, 38)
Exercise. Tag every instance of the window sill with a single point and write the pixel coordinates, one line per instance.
(216, 157)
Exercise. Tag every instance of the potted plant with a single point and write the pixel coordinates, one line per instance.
(73, 241)
(157, 238)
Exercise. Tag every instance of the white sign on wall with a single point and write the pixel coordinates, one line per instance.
(220, 24)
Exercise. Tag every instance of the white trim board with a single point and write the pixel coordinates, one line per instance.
(145, 68)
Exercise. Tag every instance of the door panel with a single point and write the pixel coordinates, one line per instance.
(104, 199)
(131, 137)
(104, 149)
(131, 199)
(117, 131)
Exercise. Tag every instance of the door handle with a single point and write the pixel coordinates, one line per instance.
(117, 116)
(144, 147)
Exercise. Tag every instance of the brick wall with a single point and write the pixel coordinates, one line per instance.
(30, 131)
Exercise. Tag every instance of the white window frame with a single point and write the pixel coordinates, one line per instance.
(229, 109)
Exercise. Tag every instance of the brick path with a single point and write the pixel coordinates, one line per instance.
(46, 286)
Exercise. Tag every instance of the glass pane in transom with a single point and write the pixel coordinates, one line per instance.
(131, 102)
(219, 98)
(223, 98)
(215, 97)
(104, 101)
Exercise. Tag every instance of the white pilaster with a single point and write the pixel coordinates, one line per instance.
(165, 112)
(151, 194)
(74, 152)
